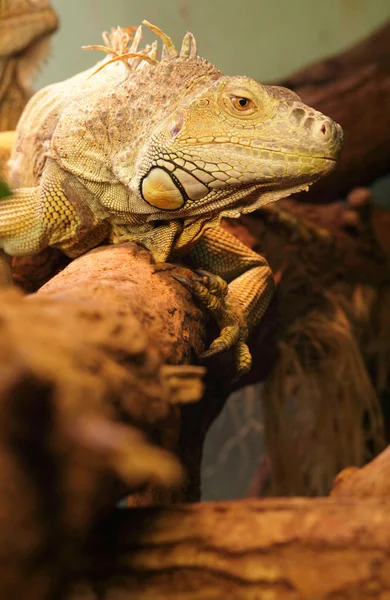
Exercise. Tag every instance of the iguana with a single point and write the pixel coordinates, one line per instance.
(157, 152)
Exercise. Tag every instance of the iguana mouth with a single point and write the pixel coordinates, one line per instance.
(266, 154)
(281, 152)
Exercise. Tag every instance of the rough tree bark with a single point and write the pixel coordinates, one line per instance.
(287, 548)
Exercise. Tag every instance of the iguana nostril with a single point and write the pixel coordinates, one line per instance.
(323, 130)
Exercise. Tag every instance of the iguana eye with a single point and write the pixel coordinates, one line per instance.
(240, 103)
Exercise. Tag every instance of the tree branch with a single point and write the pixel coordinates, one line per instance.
(287, 548)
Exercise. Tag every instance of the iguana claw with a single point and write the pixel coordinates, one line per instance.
(212, 291)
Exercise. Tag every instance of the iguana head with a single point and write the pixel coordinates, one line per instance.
(182, 144)
(235, 144)
(211, 145)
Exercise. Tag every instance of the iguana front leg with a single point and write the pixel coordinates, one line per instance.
(239, 306)
(56, 213)
(21, 230)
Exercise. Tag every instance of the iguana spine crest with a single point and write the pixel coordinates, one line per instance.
(117, 44)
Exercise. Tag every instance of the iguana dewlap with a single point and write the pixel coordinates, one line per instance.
(156, 152)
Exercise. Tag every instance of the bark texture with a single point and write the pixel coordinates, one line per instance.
(288, 548)
(83, 361)
(282, 549)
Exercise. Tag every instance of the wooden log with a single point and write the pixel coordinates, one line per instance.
(284, 549)
(287, 548)
(133, 562)
(93, 342)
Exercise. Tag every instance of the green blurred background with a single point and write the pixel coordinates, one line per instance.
(266, 39)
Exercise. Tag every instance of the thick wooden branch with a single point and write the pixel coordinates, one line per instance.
(354, 89)
(94, 341)
(285, 549)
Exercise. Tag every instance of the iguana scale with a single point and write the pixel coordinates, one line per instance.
(157, 152)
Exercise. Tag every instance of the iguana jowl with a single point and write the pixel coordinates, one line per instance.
(156, 152)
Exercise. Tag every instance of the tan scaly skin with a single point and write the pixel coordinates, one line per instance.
(157, 152)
